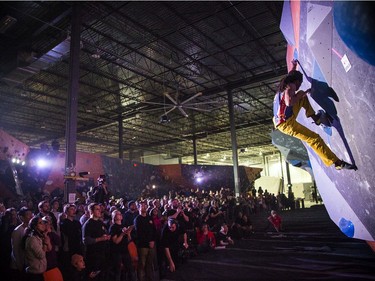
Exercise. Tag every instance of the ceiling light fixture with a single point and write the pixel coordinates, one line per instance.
(96, 55)
(164, 119)
(6, 23)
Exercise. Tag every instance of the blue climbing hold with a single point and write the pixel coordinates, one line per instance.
(347, 227)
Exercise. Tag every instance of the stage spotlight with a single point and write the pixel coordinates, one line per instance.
(42, 163)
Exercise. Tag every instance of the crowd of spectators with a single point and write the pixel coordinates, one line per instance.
(122, 239)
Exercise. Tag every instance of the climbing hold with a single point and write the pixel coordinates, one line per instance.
(347, 227)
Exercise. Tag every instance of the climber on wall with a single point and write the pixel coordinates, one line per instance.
(287, 104)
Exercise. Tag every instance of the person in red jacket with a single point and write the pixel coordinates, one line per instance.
(205, 239)
(275, 220)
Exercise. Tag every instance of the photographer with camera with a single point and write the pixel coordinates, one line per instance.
(101, 193)
(177, 212)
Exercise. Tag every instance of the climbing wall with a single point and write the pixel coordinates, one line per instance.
(11, 148)
(310, 30)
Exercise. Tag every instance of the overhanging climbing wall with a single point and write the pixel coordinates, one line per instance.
(310, 29)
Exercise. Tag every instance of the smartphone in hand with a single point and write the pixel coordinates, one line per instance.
(94, 273)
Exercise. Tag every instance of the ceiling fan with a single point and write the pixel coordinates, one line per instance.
(182, 106)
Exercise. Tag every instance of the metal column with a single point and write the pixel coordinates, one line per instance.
(194, 140)
(72, 102)
(265, 164)
(234, 143)
(120, 137)
(195, 150)
(282, 173)
(131, 154)
(288, 179)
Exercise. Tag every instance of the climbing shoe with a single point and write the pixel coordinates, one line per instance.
(323, 118)
(345, 166)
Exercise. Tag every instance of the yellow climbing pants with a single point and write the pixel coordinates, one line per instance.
(292, 128)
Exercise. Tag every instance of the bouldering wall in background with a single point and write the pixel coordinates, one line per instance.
(11, 148)
(310, 30)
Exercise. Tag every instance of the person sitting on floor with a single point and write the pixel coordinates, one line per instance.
(222, 237)
(247, 227)
(275, 220)
(205, 239)
(79, 269)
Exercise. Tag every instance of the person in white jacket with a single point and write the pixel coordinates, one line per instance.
(37, 243)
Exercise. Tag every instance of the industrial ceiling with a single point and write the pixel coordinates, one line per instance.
(135, 58)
